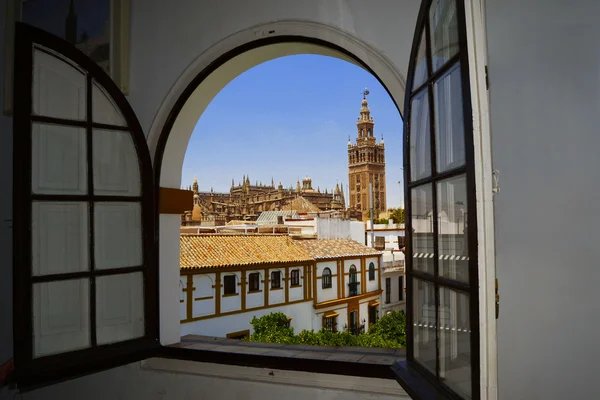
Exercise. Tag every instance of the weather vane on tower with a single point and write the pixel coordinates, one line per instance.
(365, 93)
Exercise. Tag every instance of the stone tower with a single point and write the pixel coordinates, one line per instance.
(366, 164)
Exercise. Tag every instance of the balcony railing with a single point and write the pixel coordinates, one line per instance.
(356, 329)
(353, 288)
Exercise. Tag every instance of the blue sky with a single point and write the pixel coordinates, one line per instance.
(288, 118)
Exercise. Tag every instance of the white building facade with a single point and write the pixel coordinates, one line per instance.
(223, 288)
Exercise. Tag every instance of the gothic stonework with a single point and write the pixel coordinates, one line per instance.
(366, 164)
(246, 201)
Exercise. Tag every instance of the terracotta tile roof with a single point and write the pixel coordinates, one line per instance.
(333, 248)
(218, 250)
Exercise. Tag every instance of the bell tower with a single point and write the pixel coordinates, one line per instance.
(366, 164)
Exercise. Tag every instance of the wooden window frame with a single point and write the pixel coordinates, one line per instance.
(326, 279)
(28, 370)
(295, 277)
(253, 282)
(227, 292)
(371, 272)
(276, 283)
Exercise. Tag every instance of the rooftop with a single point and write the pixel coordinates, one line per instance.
(333, 248)
(222, 250)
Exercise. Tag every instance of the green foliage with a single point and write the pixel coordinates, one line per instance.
(391, 327)
(388, 332)
(397, 214)
(381, 221)
(272, 328)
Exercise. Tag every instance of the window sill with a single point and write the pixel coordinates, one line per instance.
(254, 291)
(350, 361)
(417, 385)
(231, 295)
(295, 286)
(369, 386)
(277, 288)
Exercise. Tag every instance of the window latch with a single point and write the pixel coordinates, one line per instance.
(497, 300)
(495, 181)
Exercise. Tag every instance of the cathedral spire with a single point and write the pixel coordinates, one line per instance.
(195, 185)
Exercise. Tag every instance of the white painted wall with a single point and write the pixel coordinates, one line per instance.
(545, 97)
(357, 229)
(331, 293)
(301, 314)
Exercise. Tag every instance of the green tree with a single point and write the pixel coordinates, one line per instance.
(388, 332)
(272, 328)
(397, 214)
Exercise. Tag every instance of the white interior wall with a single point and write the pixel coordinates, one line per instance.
(545, 97)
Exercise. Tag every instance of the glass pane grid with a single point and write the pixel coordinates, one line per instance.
(87, 273)
(438, 259)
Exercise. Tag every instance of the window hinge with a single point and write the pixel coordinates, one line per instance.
(487, 78)
(497, 300)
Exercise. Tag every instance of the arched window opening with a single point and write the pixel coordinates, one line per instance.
(353, 281)
(326, 279)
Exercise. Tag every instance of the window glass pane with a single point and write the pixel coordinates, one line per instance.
(119, 307)
(424, 324)
(60, 316)
(116, 166)
(449, 127)
(420, 75)
(118, 235)
(452, 229)
(59, 237)
(58, 159)
(59, 88)
(104, 110)
(422, 225)
(444, 31)
(420, 137)
(455, 341)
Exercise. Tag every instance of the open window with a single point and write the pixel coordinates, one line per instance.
(85, 278)
(441, 228)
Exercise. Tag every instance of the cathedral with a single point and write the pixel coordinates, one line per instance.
(245, 201)
(366, 165)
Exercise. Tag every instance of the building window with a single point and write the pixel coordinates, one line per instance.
(330, 322)
(353, 282)
(371, 272)
(229, 285)
(295, 277)
(388, 290)
(326, 279)
(254, 282)
(373, 314)
(276, 280)
(400, 288)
